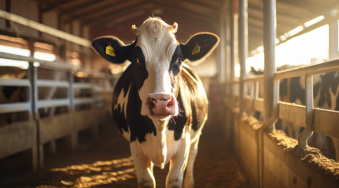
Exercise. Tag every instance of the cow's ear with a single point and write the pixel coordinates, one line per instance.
(112, 49)
(199, 46)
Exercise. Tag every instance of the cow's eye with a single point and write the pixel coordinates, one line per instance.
(179, 60)
(137, 61)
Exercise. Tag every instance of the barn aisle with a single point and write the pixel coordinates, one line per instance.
(107, 163)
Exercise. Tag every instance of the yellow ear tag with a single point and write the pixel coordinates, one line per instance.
(196, 49)
(110, 50)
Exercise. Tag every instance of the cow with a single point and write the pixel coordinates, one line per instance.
(159, 104)
(325, 95)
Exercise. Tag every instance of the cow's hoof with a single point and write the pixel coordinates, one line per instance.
(175, 183)
(145, 184)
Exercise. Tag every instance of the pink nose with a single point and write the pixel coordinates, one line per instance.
(160, 104)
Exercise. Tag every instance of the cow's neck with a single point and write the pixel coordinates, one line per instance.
(160, 140)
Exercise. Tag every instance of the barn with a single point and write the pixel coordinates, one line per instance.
(79, 77)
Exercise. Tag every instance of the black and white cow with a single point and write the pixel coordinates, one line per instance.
(325, 95)
(159, 104)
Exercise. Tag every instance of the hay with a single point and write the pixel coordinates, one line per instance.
(310, 155)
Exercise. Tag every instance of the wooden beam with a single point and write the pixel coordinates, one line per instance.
(104, 10)
(188, 13)
(211, 4)
(44, 28)
(116, 16)
(122, 15)
(102, 18)
(253, 9)
(197, 19)
(307, 6)
(127, 17)
(56, 5)
(198, 9)
(85, 7)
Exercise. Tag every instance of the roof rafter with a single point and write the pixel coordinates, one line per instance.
(214, 13)
(291, 19)
(56, 5)
(117, 5)
(82, 6)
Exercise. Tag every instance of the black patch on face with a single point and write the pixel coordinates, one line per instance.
(139, 125)
(139, 67)
(123, 84)
(176, 61)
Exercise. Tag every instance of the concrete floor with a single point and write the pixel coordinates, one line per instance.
(106, 162)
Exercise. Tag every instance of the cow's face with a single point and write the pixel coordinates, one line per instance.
(157, 58)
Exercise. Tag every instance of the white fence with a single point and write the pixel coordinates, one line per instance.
(35, 132)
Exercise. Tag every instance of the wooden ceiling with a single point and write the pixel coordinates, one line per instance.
(290, 13)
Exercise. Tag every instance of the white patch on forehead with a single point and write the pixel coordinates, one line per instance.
(157, 41)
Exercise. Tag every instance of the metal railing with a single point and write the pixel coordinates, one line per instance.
(56, 126)
(312, 119)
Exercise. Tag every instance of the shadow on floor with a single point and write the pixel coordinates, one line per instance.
(107, 163)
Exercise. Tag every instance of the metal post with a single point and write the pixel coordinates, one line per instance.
(271, 86)
(227, 42)
(71, 108)
(233, 44)
(242, 49)
(269, 49)
(308, 132)
(333, 40)
(221, 67)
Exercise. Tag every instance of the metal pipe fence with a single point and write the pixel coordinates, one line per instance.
(314, 120)
(37, 131)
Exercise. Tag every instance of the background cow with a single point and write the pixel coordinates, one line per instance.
(159, 104)
(325, 95)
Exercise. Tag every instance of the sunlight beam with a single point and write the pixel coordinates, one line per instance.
(314, 21)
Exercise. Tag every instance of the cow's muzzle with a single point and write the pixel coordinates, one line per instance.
(160, 106)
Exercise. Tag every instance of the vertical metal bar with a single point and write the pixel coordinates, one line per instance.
(256, 90)
(333, 40)
(308, 132)
(269, 48)
(270, 85)
(227, 40)
(222, 52)
(242, 49)
(253, 90)
(233, 44)
(35, 91)
(70, 90)
(74, 133)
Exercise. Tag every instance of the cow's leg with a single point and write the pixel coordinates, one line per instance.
(143, 167)
(178, 164)
(189, 178)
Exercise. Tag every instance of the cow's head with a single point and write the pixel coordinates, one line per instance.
(157, 58)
